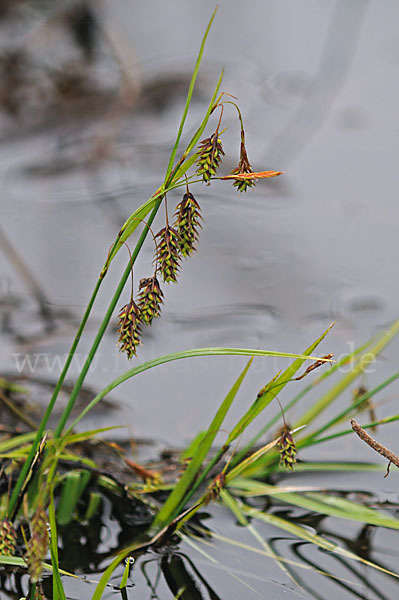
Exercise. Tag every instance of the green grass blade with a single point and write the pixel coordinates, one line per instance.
(193, 447)
(179, 356)
(350, 409)
(189, 540)
(321, 503)
(327, 373)
(126, 573)
(363, 362)
(246, 464)
(271, 392)
(304, 534)
(266, 553)
(12, 561)
(15, 441)
(73, 485)
(358, 467)
(333, 436)
(130, 225)
(103, 327)
(232, 504)
(14, 388)
(189, 95)
(77, 438)
(173, 503)
(42, 426)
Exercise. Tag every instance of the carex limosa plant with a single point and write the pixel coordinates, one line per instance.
(173, 242)
(200, 162)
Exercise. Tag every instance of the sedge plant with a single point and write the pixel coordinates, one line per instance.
(209, 476)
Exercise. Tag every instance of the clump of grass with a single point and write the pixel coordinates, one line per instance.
(207, 476)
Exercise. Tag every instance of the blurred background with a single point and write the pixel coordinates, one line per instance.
(90, 101)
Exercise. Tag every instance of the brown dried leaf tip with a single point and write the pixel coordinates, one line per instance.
(243, 168)
(288, 450)
(168, 253)
(210, 157)
(188, 217)
(129, 329)
(37, 546)
(8, 538)
(150, 299)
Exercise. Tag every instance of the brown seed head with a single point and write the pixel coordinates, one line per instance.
(168, 253)
(129, 329)
(188, 217)
(8, 538)
(210, 157)
(288, 450)
(150, 299)
(38, 544)
(243, 168)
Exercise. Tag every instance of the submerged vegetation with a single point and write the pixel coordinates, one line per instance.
(52, 479)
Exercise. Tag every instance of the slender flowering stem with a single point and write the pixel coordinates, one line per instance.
(74, 394)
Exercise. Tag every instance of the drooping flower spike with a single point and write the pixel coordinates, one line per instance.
(150, 299)
(211, 152)
(210, 157)
(187, 224)
(168, 253)
(129, 320)
(288, 450)
(129, 329)
(37, 545)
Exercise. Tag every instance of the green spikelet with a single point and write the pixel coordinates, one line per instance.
(211, 153)
(288, 450)
(37, 546)
(243, 168)
(188, 216)
(129, 329)
(8, 538)
(150, 299)
(168, 254)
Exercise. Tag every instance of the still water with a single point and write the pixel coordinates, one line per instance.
(318, 85)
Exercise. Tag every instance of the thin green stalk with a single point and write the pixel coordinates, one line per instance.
(203, 475)
(176, 499)
(333, 436)
(189, 96)
(40, 432)
(312, 438)
(349, 409)
(364, 361)
(197, 352)
(74, 394)
(307, 389)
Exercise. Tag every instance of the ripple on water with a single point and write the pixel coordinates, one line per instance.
(224, 325)
(360, 306)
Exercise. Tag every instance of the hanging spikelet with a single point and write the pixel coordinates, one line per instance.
(150, 299)
(37, 546)
(8, 538)
(288, 450)
(168, 254)
(129, 329)
(210, 157)
(243, 168)
(188, 216)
